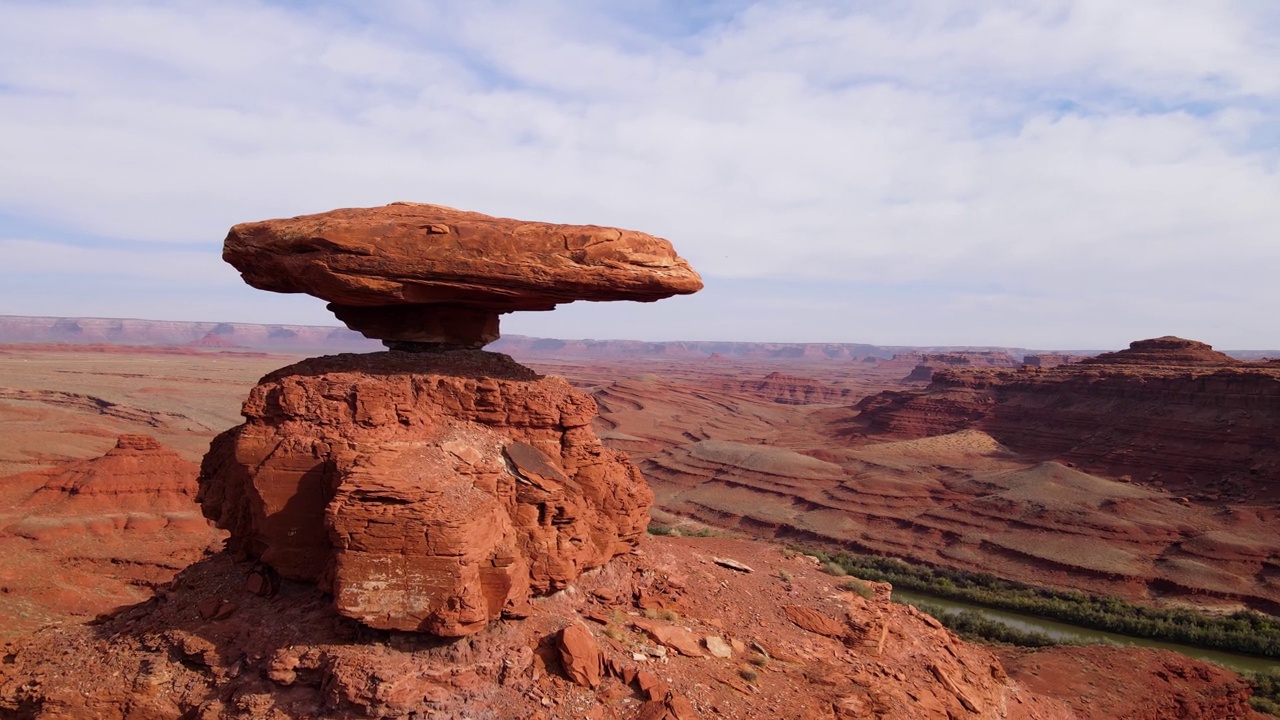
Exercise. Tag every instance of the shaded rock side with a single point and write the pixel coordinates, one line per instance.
(429, 491)
(413, 272)
(1165, 409)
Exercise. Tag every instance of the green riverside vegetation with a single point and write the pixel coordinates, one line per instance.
(971, 625)
(1243, 631)
(1266, 692)
(1248, 632)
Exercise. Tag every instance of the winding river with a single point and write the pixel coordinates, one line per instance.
(1063, 631)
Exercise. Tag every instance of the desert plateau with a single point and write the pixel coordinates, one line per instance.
(989, 466)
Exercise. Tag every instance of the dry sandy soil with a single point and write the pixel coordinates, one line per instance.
(70, 403)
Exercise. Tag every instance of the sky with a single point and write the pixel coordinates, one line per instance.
(1049, 174)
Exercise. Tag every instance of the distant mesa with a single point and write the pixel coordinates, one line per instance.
(138, 474)
(1050, 360)
(215, 340)
(929, 363)
(1165, 408)
(1168, 351)
(90, 535)
(413, 273)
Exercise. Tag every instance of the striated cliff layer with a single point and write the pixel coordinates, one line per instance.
(1166, 411)
(786, 389)
(427, 491)
(85, 537)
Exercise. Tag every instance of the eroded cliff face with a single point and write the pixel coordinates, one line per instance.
(427, 491)
(1168, 411)
(786, 389)
(82, 538)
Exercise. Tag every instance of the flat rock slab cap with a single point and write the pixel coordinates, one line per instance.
(412, 272)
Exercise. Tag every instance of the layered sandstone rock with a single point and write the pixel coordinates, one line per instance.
(440, 489)
(85, 537)
(786, 389)
(429, 491)
(1166, 409)
(1050, 360)
(418, 273)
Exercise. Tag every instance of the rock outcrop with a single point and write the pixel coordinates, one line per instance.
(428, 491)
(138, 474)
(83, 538)
(787, 389)
(1049, 360)
(439, 489)
(418, 273)
(803, 648)
(1167, 410)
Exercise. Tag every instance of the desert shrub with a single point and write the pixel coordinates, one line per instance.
(1266, 691)
(662, 614)
(748, 673)
(784, 576)
(702, 532)
(655, 529)
(857, 586)
(971, 625)
(1265, 705)
(834, 569)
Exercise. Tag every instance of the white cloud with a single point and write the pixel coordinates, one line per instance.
(1057, 150)
(158, 263)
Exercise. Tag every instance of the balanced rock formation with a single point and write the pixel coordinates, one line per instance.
(418, 273)
(439, 489)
